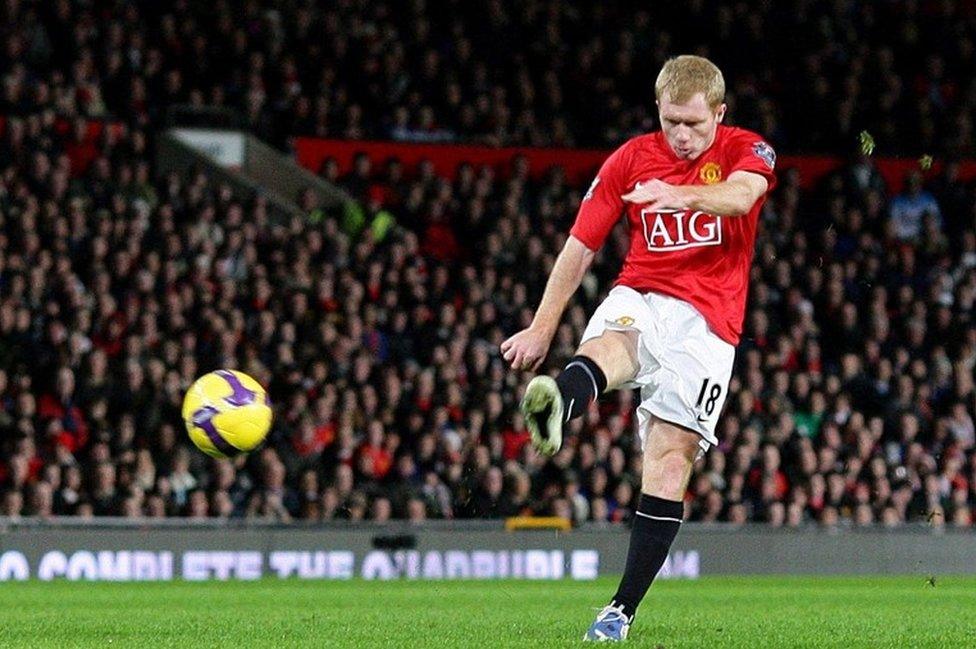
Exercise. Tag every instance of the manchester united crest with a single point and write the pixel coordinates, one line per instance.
(710, 173)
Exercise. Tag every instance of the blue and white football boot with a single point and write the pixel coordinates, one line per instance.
(611, 625)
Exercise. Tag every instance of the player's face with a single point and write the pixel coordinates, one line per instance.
(690, 126)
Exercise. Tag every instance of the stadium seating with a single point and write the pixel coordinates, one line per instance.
(377, 332)
(544, 73)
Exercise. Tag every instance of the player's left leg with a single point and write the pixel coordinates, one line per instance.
(684, 382)
(669, 456)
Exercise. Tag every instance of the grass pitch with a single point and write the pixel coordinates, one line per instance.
(712, 612)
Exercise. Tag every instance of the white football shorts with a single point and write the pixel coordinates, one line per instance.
(684, 367)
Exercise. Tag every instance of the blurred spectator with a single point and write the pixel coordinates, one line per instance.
(910, 210)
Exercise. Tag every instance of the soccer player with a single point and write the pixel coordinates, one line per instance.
(692, 193)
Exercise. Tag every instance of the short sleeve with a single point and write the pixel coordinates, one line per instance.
(601, 206)
(751, 153)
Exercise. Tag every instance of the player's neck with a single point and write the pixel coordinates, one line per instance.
(708, 146)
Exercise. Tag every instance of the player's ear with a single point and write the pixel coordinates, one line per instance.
(720, 114)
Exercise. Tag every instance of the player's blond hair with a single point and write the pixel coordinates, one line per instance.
(683, 77)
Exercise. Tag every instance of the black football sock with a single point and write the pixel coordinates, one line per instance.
(580, 382)
(656, 523)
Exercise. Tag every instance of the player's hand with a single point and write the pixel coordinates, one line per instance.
(527, 349)
(656, 194)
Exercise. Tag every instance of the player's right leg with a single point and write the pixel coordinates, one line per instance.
(606, 359)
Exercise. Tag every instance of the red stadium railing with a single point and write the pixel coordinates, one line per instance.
(579, 164)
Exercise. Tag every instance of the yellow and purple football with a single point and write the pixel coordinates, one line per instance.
(227, 413)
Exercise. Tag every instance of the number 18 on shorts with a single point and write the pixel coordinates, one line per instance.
(684, 368)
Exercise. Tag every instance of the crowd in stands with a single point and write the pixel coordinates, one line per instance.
(808, 74)
(852, 399)
(376, 330)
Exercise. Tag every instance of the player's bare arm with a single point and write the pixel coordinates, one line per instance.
(527, 349)
(733, 197)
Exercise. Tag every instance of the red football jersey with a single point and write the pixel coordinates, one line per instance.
(697, 257)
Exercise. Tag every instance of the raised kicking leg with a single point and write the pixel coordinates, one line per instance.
(601, 363)
(669, 456)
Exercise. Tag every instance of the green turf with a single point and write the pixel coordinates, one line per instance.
(711, 612)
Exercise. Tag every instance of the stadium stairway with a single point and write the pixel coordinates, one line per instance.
(248, 165)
